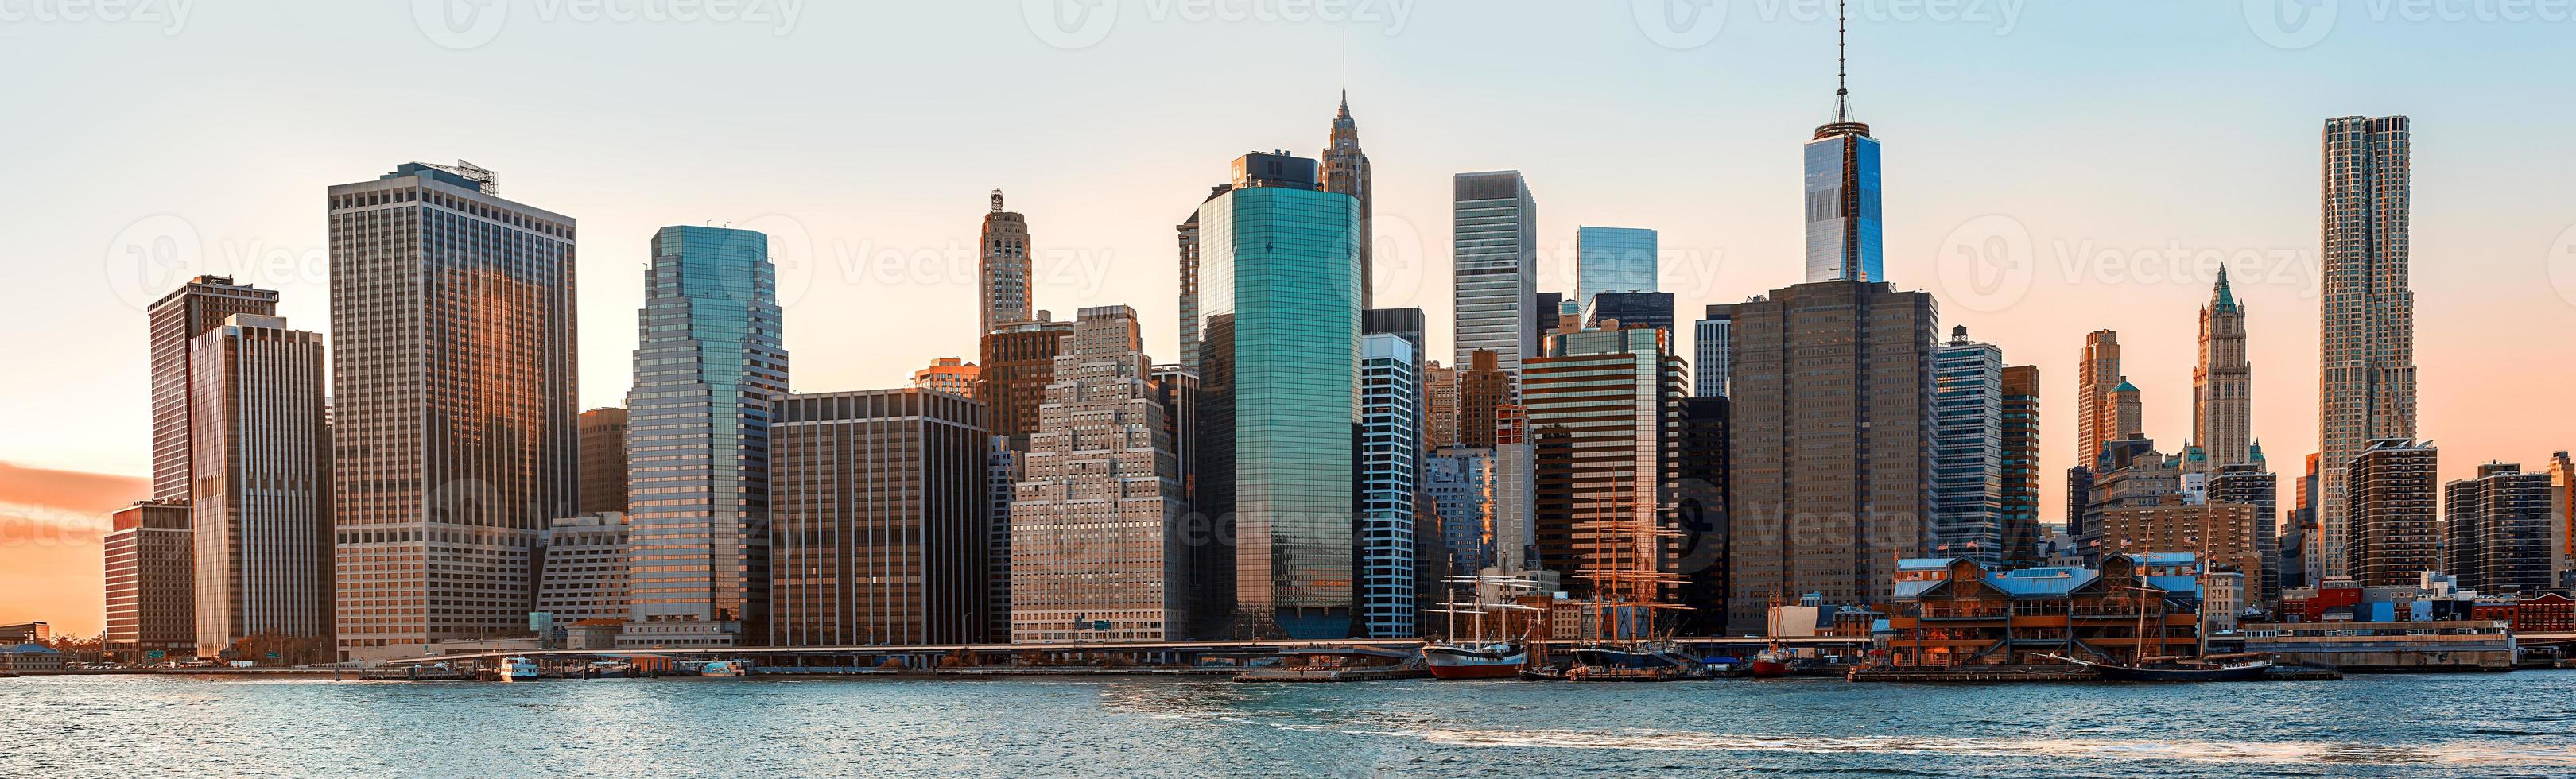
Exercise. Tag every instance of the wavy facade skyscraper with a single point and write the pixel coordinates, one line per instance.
(2366, 311)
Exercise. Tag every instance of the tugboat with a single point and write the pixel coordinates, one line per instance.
(518, 669)
(1771, 663)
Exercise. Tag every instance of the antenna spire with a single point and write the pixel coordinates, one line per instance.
(1842, 87)
(1346, 73)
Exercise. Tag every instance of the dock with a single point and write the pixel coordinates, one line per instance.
(2025, 674)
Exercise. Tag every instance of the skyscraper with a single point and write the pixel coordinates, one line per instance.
(2250, 484)
(2222, 384)
(1483, 386)
(1279, 386)
(1346, 170)
(2391, 537)
(1612, 259)
(1700, 488)
(1389, 472)
(1843, 230)
(1830, 443)
(2096, 416)
(1003, 276)
(1968, 450)
(1494, 255)
(1710, 347)
(151, 581)
(603, 460)
(2367, 311)
(1653, 310)
(176, 320)
(261, 484)
(707, 365)
(2495, 536)
(1188, 231)
(1461, 484)
(2562, 520)
(1604, 413)
(904, 470)
(1095, 552)
(1440, 406)
(951, 375)
(1019, 363)
(453, 380)
(2021, 467)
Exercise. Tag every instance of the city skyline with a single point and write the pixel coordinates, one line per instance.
(2156, 331)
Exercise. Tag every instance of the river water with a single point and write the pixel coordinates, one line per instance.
(2520, 724)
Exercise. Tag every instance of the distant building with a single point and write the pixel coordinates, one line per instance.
(2222, 384)
(1460, 482)
(947, 374)
(1440, 405)
(2391, 533)
(260, 496)
(1003, 277)
(906, 466)
(1482, 386)
(2021, 525)
(1188, 234)
(2132, 473)
(1019, 362)
(2248, 484)
(177, 319)
(584, 574)
(603, 460)
(1004, 467)
(1700, 490)
(1844, 232)
(1614, 259)
(1093, 555)
(1603, 409)
(1516, 493)
(30, 657)
(2220, 534)
(2562, 521)
(151, 582)
(1495, 262)
(1652, 310)
(1546, 318)
(26, 633)
(1346, 170)
(1968, 450)
(1710, 350)
(2496, 532)
(2366, 359)
(2309, 549)
(1389, 473)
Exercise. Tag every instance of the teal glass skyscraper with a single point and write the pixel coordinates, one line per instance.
(1279, 294)
(707, 365)
(1612, 259)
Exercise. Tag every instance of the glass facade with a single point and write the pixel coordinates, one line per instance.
(1613, 259)
(1967, 451)
(1279, 293)
(1843, 235)
(1495, 258)
(1710, 347)
(698, 438)
(1389, 461)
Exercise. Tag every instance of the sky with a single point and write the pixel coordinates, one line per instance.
(2050, 169)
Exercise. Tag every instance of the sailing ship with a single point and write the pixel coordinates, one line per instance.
(2143, 668)
(1488, 654)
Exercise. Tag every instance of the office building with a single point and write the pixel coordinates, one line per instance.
(1209, 541)
(1279, 391)
(453, 378)
(2391, 539)
(1389, 473)
(260, 491)
(177, 319)
(1188, 231)
(2248, 484)
(1494, 254)
(1545, 319)
(1003, 278)
(1004, 467)
(877, 528)
(1516, 492)
(1709, 346)
(1700, 468)
(709, 362)
(2495, 535)
(603, 460)
(947, 374)
(1604, 412)
(1346, 170)
(2222, 383)
(2562, 520)
(1483, 386)
(1440, 406)
(1829, 443)
(2096, 415)
(1019, 362)
(1968, 450)
(1844, 234)
(2367, 352)
(1612, 259)
(1094, 555)
(2309, 546)
(1460, 482)
(2222, 535)
(1631, 309)
(151, 582)
(586, 572)
(2021, 529)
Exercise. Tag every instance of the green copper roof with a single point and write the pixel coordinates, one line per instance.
(2225, 297)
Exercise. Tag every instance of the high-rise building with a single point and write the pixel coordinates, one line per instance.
(2562, 520)
(1604, 413)
(1631, 309)
(2367, 310)
(2222, 384)
(2391, 538)
(2021, 467)
(1483, 386)
(603, 460)
(1516, 494)
(1019, 363)
(1700, 489)
(260, 487)
(709, 361)
(1389, 473)
(1004, 467)
(877, 526)
(1710, 347)
(1440, 404)
(1279, 387)
(1612, 259)
(2128, 413)
(1494, 255)
(587, 571)
(1829, 443)
(2303, 522)
(1968, 450)
(1207, 537)
(1544, 318)
(151, 581)
(2096, 417)
(2495, 535)
(2220, 535)
(2132, 473)
(1843, 229)
(453, 381)
(1003, 276)
(1094, 555)
(177, 319)
(1460, 482)
(951, 375)
(1346, 170)
(1189, 299)
(2250, 484)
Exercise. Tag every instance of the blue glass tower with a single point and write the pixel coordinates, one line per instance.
(697, 443)
(1843, 235)
(1279, 302)
(1612, 259)
(1389, 452)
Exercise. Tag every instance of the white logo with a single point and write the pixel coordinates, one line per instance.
(2290, 24)
(460, 24)
(791, 255)
(1069, 24)
(2562, 264)
(1986, 265)
(1679, 24)
(1395, 259)
(150, 257)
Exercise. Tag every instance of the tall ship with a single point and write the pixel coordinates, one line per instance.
(1488, 651)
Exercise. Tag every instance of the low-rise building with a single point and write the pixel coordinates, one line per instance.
(1954, 611)
(30, 657)
(2547, 613)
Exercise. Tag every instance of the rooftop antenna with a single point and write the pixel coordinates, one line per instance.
(1842, 88)
(997, 201)
(1346, 73)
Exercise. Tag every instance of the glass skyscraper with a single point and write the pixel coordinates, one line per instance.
(1843, 234)
(1389, 467)
(1279, 378)
(1710, 346)
(697, 442)
(1494, 254)
(1612, 259)
(1967, 450)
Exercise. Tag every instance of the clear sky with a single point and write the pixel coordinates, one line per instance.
(2079, 147)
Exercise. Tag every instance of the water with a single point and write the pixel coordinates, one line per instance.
(2443, 725)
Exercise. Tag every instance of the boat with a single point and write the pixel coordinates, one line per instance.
(1475, 660)
(725, 668)
(2172, 671)
(1771, 663)
(518, 669)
